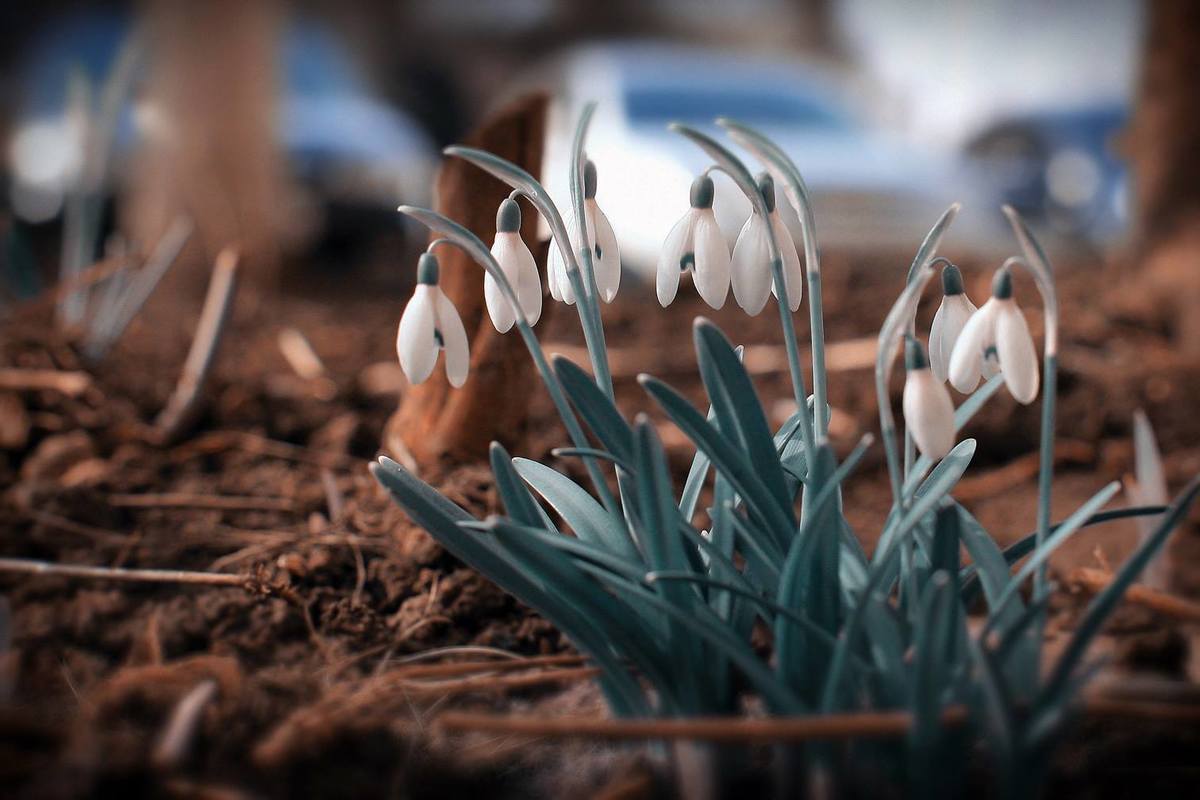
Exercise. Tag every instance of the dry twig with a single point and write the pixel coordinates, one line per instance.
(72, 384)
(185, 400)
(181, 726)
(209, 501)
(33, 567)
(1096, 580)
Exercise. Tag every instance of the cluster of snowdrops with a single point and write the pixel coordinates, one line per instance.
(665, 607)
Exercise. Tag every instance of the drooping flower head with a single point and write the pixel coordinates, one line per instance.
(606, 255)
(928, 411)
(948, 322)
(997, 335)
(518, 265)
(431, 324)
(695, 245)
(750, 266)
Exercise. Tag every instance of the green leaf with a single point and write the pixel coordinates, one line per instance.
(627, 629)
(725, 457)
(1055, 692)
(809, 580)
(597, 410)
(942, 479)
(736, 404)
(1024, 546)
(1063, 532)
(931, 673)
(517, 501)
(962, 415)
(590, 452)
(579, 509)
(442, 518)
(702, 623)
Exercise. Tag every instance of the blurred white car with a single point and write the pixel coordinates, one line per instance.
(871, 190)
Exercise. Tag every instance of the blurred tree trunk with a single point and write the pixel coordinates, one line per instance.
(436, 423)
(1164, 145)
(208, 112)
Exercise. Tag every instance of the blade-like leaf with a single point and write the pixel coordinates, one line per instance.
(596, 408)
(1098, 611)
(738, 410)
(442, 518)
(579, 509)
(725, 457)
(517, 501)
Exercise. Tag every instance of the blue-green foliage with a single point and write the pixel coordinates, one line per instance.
(663, 596)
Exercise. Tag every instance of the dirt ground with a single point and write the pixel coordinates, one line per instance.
(304, 681)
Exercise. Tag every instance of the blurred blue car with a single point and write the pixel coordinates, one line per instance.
(871, 189)
(347, 150)
(1060, 167)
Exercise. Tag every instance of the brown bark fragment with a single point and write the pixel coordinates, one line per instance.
(436, 423)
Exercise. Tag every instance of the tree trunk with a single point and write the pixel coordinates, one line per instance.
(1163, 145)
(436, 423)
(211, 147)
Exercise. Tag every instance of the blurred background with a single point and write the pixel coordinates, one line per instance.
(296, 128)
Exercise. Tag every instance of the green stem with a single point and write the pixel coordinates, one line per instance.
(735, 169)
(518, 178)
(784, 170)
(589, 302)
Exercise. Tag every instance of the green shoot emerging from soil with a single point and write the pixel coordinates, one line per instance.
(666, 607)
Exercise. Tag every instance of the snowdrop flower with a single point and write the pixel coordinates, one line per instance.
(606, 255)
(997, 331)
(751, 262)
(928, 412)
(948, 322)
(517, 264)
(695, 245)
(431, 323)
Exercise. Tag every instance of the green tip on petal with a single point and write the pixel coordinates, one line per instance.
(702, 192)
(952, 280)
(914, 355)
(428, 269)
(1002, 285)
(766, 186)
(589, 179)
(508, 216)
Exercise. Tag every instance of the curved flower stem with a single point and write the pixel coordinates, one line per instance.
(518, 178)
(894, 326)
(590, 298)
(735, 169)
(460, 237)
(925, 255)
(1043, 276)
(785, 172)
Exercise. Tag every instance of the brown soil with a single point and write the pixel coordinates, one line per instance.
(343, 588)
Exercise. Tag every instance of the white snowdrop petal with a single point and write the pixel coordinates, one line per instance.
(556, 269)
(415, 343)
(928, 413)
(498, 307)
(966, 359)
(750, 268)
(711, 273)
(607, 261)
(1018, 357)
(528, 283)
(948, 323)
(519, 267)
(677, 243)
(454, 340)
(793, 272)
(554, 266)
